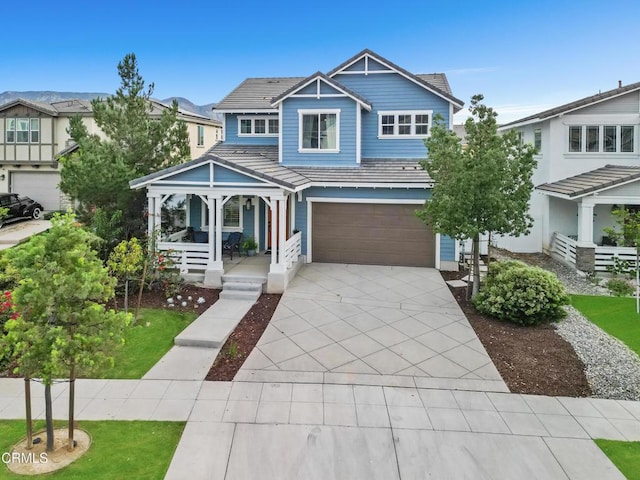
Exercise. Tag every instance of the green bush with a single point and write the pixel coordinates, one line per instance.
(619, 287)
(522, 294)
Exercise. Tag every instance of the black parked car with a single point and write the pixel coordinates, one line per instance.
(19, 208)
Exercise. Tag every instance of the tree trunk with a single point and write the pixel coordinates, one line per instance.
(48, 416)
(489, 250)
(126, 296)
(72, 396)
(144, 275)
(476, 265)
(27, 406)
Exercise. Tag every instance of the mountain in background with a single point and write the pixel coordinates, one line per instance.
(49, 97)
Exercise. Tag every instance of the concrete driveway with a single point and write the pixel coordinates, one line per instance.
(14, 233)
(371, 325)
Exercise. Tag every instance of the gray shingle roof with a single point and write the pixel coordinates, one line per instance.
(329, 81)
(583, 102)
(388, 171)
(589, 182)
(40, 106)
(437, 80)
(72, 106)
(256, 93)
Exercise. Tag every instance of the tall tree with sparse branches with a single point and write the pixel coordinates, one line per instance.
(482, 188)
(135, 143)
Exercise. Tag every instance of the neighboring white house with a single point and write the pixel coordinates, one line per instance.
(33, 135)
(588, 164)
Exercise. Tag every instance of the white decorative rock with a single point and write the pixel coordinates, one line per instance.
(184, 304)
(189, 298)
(179, 297)
(201, 300)
(170, 300)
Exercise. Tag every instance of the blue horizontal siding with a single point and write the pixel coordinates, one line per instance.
(290, 138)
(447, 249)
(392, 92)
(231, 133)
(222, 174)
(197, 174)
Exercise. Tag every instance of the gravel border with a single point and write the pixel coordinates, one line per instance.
(611, 368)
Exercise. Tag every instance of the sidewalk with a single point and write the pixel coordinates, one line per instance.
(293, 430)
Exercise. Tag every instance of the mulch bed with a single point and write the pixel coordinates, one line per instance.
(157, 299)
(531, 359)
(243, 339)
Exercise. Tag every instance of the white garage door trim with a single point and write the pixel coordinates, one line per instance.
(382, 201)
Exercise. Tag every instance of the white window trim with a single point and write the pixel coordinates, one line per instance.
(15, 130)
(318, 111)
(198, 128)
(396, 113)
(204, 217)
(601, 147)
(253, 118)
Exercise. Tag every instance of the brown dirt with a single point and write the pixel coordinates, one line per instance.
(245, 336)
(531, 359)
(38, 461)
(157, 299)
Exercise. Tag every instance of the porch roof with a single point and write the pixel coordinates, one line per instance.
(591, 182)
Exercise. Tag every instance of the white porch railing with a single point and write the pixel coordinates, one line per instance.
(605, 257)
(565, 247)
(293, 249)
(187, 256)
(175, 237)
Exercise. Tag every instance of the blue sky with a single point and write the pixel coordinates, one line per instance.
(523, 56)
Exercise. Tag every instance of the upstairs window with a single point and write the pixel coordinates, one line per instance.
(200, 135)
(537, 139)
(319, 130)
(404, 124)
(602, 138)
(258, 125)
(22, 130)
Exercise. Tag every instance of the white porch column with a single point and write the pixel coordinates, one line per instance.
(218, 219)
(282, 231)
(157, 217)
(151, 210)
(213, 273)
(274, 237)
(585, 224)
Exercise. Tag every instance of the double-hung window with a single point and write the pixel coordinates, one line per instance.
(319, 131)
(200, 135)
(601, 138)
(250, 125)
(22, 130)
(537, 140)
(231, 214)
(404, 124)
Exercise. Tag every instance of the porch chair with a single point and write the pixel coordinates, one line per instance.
(232, 243)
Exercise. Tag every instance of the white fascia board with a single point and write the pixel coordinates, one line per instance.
(391, 201)
(402, 186)
(364, 105)
(162, 177)
(420, 84)
(267, 182)
(511, 126)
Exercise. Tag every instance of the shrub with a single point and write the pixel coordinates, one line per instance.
(619, 287)
(522, 294)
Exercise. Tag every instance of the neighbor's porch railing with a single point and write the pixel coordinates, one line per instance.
(605, 256)
(565, 247)
(187, 256)
(293, 249)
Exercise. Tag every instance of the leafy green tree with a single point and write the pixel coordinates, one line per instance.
(627, 234)
(63, 324)
(136, 144)
(125, 262)
(482, 188)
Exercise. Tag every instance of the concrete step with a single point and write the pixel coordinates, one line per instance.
(242, 286)
(244, 278)
(252, 295)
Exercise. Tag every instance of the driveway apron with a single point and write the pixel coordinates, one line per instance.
(362, 324)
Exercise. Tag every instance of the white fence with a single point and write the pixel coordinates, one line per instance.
(187, 256)
(605, 257)
(565, 247)
(293, 249)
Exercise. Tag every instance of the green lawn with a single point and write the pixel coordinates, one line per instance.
(625, 456)
(140, 450)
(145, 345)
(615, 315)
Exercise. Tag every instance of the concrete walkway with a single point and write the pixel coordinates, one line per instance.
(13, 233)
(246, 430)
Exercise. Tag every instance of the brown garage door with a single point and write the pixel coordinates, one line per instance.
(371, 234)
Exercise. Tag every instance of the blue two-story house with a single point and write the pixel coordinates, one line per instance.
(322, 168)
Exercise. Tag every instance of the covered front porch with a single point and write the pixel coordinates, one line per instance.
(194, 209)
(580, 211)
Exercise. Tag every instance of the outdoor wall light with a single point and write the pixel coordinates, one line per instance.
(248, 204)
(2, 177)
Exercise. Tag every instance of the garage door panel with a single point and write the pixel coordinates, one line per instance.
(40, 186)
(375, 234)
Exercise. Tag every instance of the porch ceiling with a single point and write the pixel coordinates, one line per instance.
(591, 182)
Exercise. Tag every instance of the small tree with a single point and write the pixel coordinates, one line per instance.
(483, 188)
(628, 234)
(62, 323)
(125, 262)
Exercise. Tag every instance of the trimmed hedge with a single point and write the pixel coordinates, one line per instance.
(521, 294)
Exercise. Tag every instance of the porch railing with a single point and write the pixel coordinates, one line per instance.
(605, 257)
(187, 256)
(565, 247)
(293, 249)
